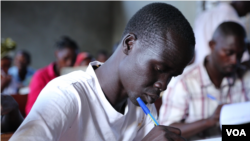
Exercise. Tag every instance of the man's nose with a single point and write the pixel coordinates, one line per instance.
(162, 83)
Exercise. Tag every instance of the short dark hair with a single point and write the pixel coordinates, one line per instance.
(229, 28)
(26, 55)
(66, 42)
(104, 52)
(157, 19)
(5, 57)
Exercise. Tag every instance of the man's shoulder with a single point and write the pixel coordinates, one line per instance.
(73, 77)
(43, 70)
(192, 72)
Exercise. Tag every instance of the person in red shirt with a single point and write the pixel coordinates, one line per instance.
(66, 53)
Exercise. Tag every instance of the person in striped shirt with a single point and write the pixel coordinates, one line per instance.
(194, 101)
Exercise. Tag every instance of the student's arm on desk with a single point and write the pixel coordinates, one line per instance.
(190, 129)
(53, 113)
(11, 116)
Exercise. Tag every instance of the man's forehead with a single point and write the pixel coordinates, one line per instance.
(232, 41)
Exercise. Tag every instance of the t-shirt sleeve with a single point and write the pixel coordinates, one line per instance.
(53, 113)
(148, 124)
(174, 104)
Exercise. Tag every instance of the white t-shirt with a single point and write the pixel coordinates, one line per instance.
(74, 108)
(206, 24)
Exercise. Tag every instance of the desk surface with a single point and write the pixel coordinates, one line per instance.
(5, 136)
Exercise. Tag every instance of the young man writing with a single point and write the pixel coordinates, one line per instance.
(193, 103)
(100, 104)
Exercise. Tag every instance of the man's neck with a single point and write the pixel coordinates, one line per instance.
(108, 78)
(214, 74)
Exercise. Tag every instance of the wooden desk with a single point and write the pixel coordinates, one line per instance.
(21, 100)
(6, 136)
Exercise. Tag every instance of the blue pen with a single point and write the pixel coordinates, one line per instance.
(146, 110)
(213, 98)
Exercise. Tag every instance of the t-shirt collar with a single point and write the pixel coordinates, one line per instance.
(113, 114)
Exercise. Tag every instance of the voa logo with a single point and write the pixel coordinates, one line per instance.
(236, 132)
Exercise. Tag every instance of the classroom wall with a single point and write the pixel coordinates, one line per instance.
(124, 10)
(35, 26)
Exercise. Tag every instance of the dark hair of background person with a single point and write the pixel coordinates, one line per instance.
(230, 28)
(6, 58)
(26, 54)
(154, 19)
(66, 42)
(103, 52)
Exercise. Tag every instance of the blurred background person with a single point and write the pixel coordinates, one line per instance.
(192, 104)
(8, 85)
(66, 53)
(206, 23)
(11, 117)
(102, 56)
(83, 59)
(21, 71)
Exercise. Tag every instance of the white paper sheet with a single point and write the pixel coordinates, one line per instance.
(233, 114)
(212, 139)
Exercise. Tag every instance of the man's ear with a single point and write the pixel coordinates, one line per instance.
(212, 45)
(128, 43)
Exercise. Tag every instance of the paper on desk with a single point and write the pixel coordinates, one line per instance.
(212, 139)
(233, 114)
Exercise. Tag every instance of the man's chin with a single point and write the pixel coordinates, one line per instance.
(134, 101)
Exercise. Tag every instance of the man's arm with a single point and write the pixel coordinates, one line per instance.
(11, 116)
(190, 129)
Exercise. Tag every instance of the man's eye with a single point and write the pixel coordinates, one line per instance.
(158, 69)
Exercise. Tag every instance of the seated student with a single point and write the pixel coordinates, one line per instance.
(83, 59)
(21, 72)
(7, 82)
(66, 54)
(187, 105)
(11, 118)
(100, 104)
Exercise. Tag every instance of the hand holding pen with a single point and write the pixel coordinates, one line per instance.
(213, 120)
(160, 132)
